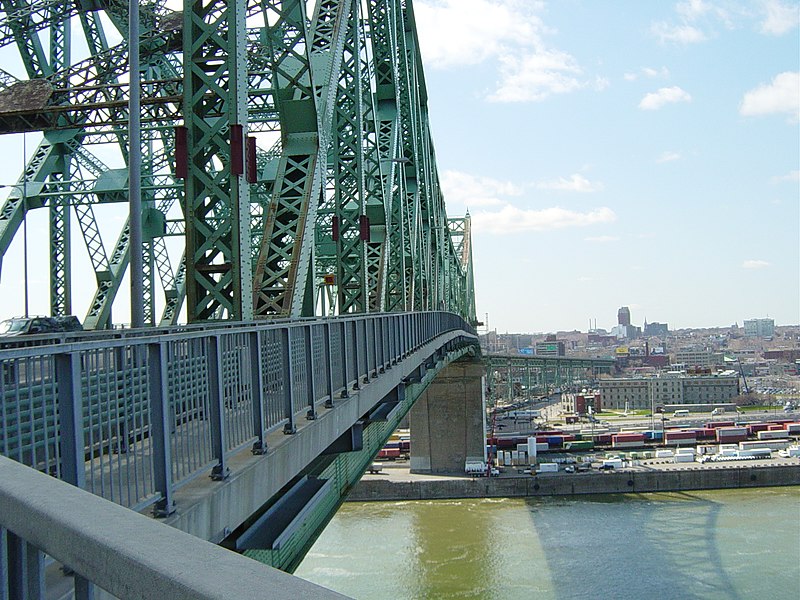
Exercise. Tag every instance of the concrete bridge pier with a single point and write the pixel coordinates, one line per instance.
(448, 421)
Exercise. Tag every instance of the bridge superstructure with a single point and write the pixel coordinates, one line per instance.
(287, 163)
(291, 209)
(523, 377)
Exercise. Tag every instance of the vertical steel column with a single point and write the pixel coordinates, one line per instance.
(287, 334)
(216, 394)
(257, 392)
(70, 410)
(160, 426)
(217, 203)
(311, 384)
(135, 167)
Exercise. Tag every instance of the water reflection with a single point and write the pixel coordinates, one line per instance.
(727, 544)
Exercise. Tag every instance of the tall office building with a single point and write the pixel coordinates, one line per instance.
(759, 328)
(624, 316)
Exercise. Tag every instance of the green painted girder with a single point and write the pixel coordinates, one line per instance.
(217, 196)
(305, 78)
(360, 59)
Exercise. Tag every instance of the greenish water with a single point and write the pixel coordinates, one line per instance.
(721, 544)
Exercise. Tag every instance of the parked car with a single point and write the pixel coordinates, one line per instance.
(38, 325)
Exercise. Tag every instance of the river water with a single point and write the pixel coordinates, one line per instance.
(720, 544)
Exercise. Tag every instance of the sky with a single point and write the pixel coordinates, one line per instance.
(618, 153)
(625, 153)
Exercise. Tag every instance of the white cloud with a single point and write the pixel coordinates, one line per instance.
(468, 190)
(458, 33)
(755, 264)
(511, 219)
(791, 176)
(535, 76)
(680, 34)
(692, 9)
(779, 18)
(575, 183)
(602, 239)
(668, 156)
(668, 95)
(649, 72)
(468, 32)
(780, 96)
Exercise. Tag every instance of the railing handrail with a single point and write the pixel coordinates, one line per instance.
(152, 335)
(130, 555)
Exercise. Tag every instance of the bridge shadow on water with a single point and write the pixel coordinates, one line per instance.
(633, 546)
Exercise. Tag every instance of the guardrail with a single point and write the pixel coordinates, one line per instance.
(119, 550)
(133, 419)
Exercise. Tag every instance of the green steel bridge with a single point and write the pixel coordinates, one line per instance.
(270, 166)
(522, 378)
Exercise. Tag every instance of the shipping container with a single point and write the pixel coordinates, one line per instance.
(390, 453)
(680, 438)
(579, 445)
(731, 434)
(718, 424)
(707, 433)
(773, 434)
(754, 428)
(773, 444)
(792, 427)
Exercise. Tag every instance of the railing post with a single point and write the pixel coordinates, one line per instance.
(377, 330)
(34, 559)
(160, 426)
(216, 395)
(84, 589)
(356, 352)
(257, 392)
(70, 409)
(288, 380)
(4, 564)
(345, 359)
(371, 340)
(311, 383)
(329, 358)
(25, 569)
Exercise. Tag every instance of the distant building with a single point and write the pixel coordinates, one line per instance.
(626, 332)
(624, 316)
(580, 403)
(759, 328)
(647, 392)
(550, 348)
(699, 358)
(656, 329)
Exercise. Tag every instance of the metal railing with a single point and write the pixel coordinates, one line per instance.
(133, 419)
(122, 552)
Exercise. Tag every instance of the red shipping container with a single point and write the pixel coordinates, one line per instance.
(628, 437)
(681, 435)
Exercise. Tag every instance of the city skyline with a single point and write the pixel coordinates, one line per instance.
(636, 154)
(627, 154)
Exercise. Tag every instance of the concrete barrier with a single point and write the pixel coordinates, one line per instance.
(702, 478)
(128, 554)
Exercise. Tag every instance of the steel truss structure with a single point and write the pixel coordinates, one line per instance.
(286, 141)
